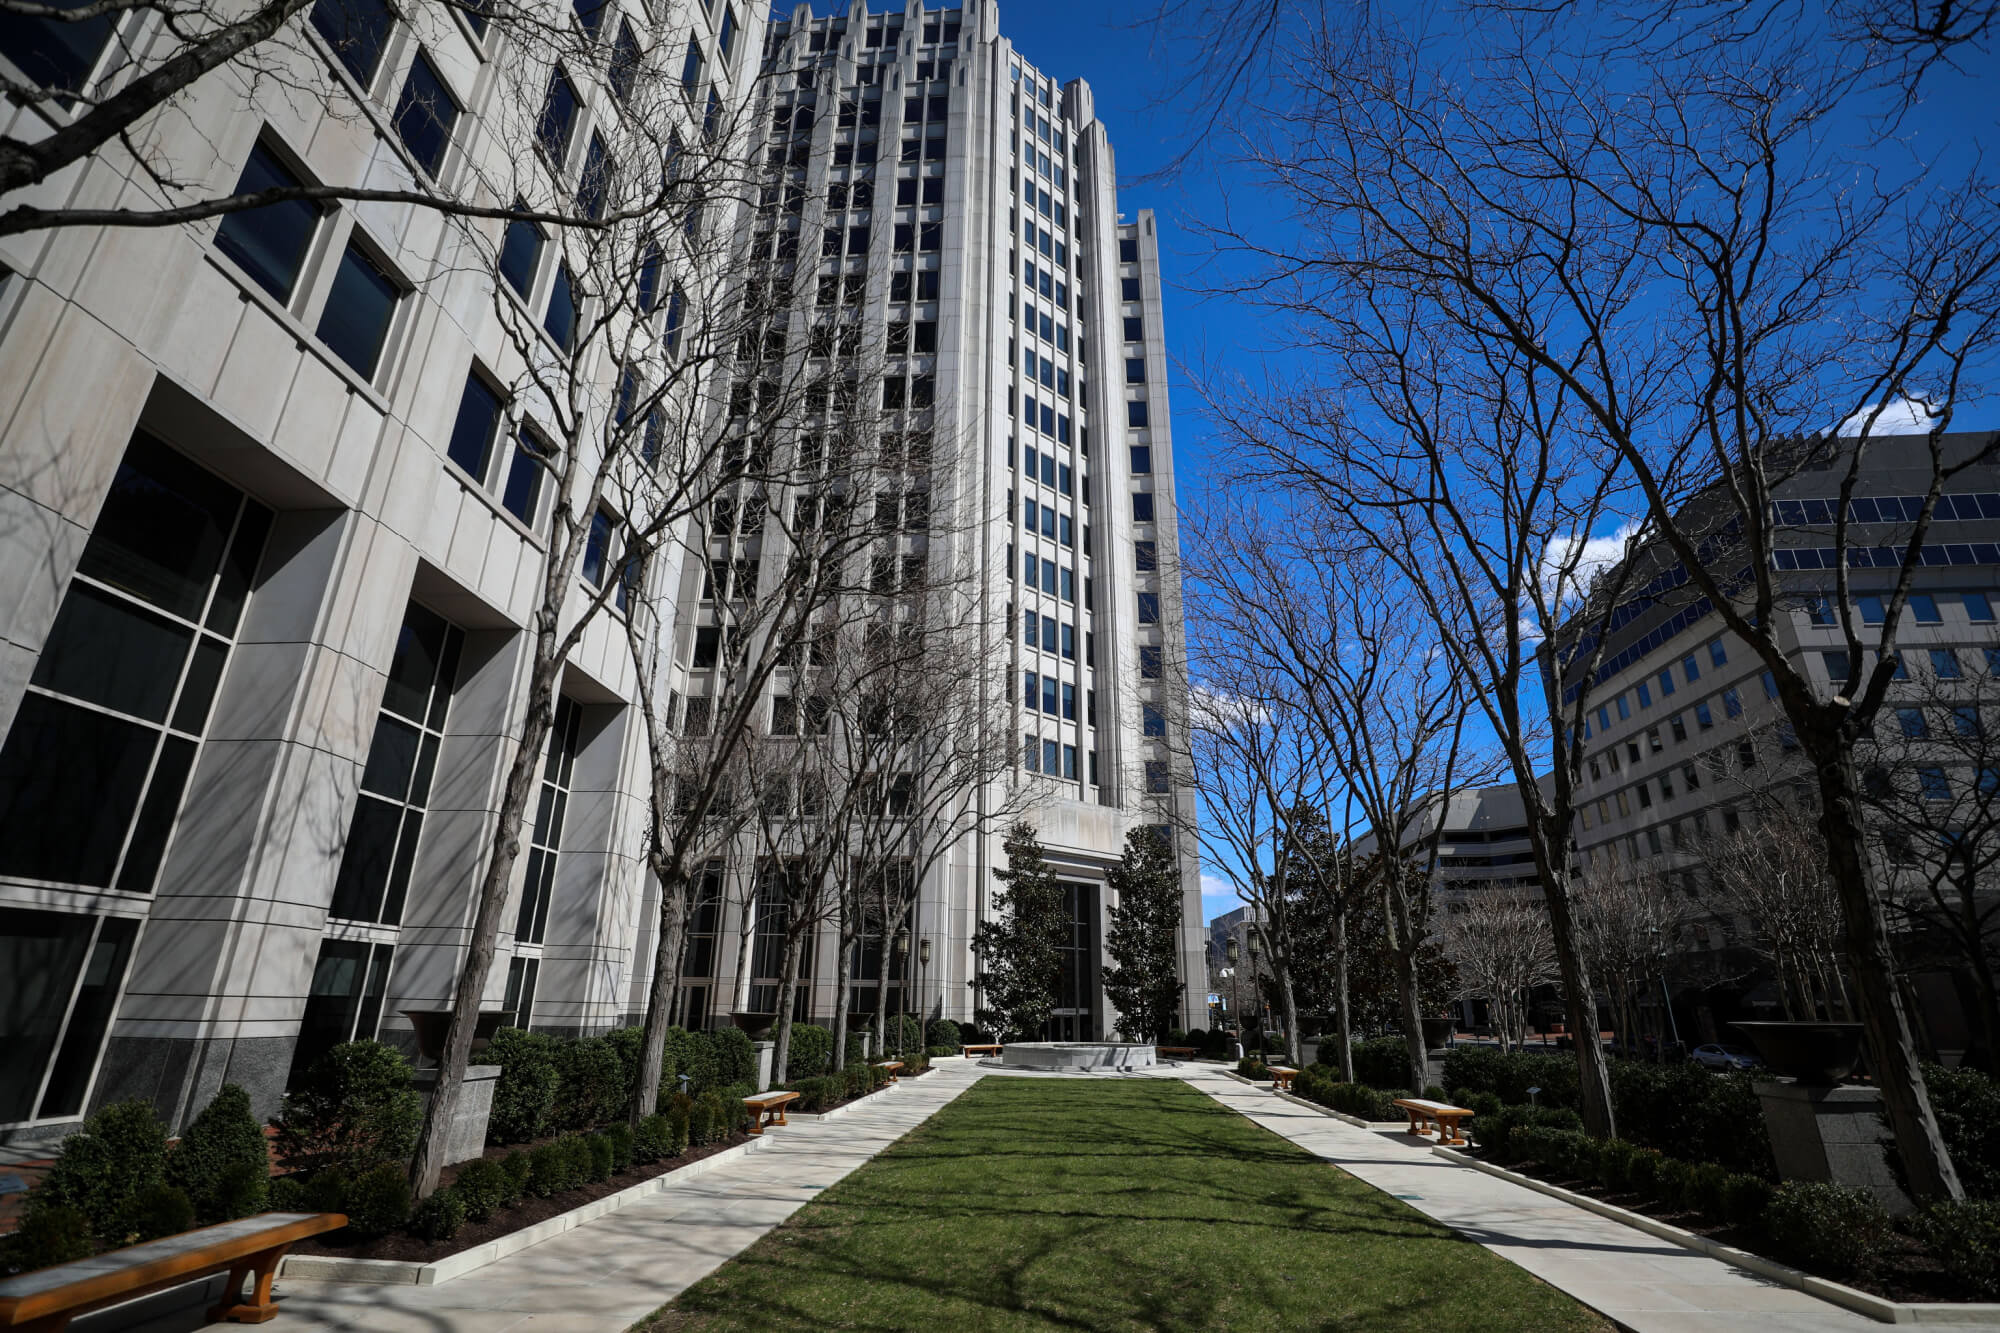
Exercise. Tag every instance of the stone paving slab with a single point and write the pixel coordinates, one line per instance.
(1646, 1284)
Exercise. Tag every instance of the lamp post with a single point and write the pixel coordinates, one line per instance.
(923, 988)
(903, 967)
(1257, 994)
(1235, 989)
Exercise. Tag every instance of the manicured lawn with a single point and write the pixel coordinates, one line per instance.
(1111, 1204)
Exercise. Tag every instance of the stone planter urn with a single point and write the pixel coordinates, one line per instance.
(1437, 1031)
(430, 1026)
(1821, 1054)
(752, 1021)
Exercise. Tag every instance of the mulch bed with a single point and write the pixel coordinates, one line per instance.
(508, 1220)
(1908, 1271)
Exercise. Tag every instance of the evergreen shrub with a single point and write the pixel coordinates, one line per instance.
(221, 1161)
(519, 1167)
(944, 1032)
(51, 1234)
(810, 1053)
(482, 1188)
(378, 1200)
(1834, 1228)
(620, 1137)
(592, 1087)
(352, 1110)
(1965, 1237)
(103, 1170)
(440, 1216)
(524, 1096)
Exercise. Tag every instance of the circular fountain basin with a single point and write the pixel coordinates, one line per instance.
(1081, 1056)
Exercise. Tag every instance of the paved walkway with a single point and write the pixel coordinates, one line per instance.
(1646, 1284)
(605, 1275)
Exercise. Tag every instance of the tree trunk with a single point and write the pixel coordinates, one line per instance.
(429, 1163)
(788, 985)
(1403, 953)
(665, 990)
(1892, 1057)
(843, 979)
(1342, 1018)
(1580, 1001)
(1287, 997)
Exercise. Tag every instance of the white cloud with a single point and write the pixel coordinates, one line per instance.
(1905, 416)
(1218, 895)
(1597, 555)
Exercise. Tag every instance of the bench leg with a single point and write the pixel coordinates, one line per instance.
(260, 1307)
(1416, 1124)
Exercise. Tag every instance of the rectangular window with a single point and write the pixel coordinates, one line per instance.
(1978, 607)
(64, 972)
(476, 428)
(691, 67)
(1142, 506)
(269, 243)
(626, 55)
(395, 790)
(1666, 683)
(343, 1001)
(725, 41)
(355, 323)
(1703, 718)
(92, 771)
(1717, 655)
(559, 321)
(1934, 784)
(357, 30)
(593, 189)
(56, 54)
(1135, 370)
(1925, 608)
(1149, 608)
(1145, 556)
(1690, 669)
(1031, 696)
(1135, 329)
(1944, 664)
(1872, 610)
(545, 844)
(523, 974)
(520, 249)
(597, 548)
(1624, 708)
(1732, 703)
(523, 493)
(1051, 758)
(1645, 693)
(1157, 778)
(1912, 723)
(1069, 702)
(426, 114)
(558, 119)
(1150, 663)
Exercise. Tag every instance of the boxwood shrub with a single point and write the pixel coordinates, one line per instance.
(221, 1161)
(103, 1170)
(352, 1110)
(1833, 1228)
(810, 1053)
(1966, 1239)
(482, 1187)
(524, 1096)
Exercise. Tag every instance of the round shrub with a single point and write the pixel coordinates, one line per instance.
(1614, 1163)
(480, 1187)
(1383, 1062)
(287, 1195)
(735, 1058)
(1833, 1228)
(712, 1120)
(679, 1113)
(602, 1158)
(1967, 1104)
(620, 1137)
(53, 1234)
(810, 1053)
(326, 1191)
(944, 1032)
(1965, 1237)
(548, 1169)
(524, 1096)
(1642, 1173)
(1745, 1199)
(591, 1086)
(692, 1054)
(905, 1038)
(161, 1210)
(653, 1140)
(438, 1217)
(352, 1109)
(378, 1201)
(221, 1161)
(104, 1168)
(519, 1168)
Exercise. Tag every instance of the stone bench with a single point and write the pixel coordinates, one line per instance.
(1439, 1115)
(768, 1108)
(48, 1298)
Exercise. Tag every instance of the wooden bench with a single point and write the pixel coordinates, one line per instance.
(893, 1067)
(1281, 1076)
(48, 1298)
(768, 1108)
(1182, 1052)
(990, 1049)
(1445, 1119)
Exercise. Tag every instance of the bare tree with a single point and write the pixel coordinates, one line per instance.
(1502, 948)
(1628, 918)
(1767, 880)
(1661, 249)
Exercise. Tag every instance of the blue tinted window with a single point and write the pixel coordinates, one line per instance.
(268, 243)
(357, 30)
(355, 322)
(519, 250)
(425, 115)
(473, 432)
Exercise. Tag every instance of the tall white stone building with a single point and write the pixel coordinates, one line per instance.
(267, 553)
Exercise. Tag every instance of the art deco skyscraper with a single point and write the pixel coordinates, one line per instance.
(928, 192)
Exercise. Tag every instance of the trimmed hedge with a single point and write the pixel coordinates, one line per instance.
(352, 1110)
(104, 1171)
(221, 1162)
(1317, 1084)
(944, 1032)
(1382, 1062)
(1834, 1228)
(1967, 1104)
(592, 1087)
(811, 1052)
(1966, 1239)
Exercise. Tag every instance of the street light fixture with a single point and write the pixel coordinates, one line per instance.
(1235, 987)
(902, 966)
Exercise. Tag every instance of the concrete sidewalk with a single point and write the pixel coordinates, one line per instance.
(607, 1274)
(1644, 1283)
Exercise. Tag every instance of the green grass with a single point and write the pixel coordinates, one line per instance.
(1114, 1204)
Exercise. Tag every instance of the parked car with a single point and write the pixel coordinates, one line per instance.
(1715, 1055)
